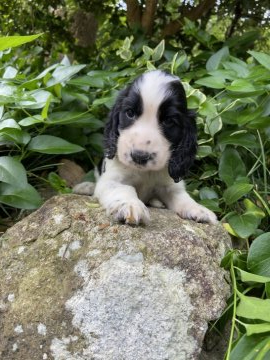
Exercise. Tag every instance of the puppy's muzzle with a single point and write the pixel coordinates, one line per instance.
(141, 157)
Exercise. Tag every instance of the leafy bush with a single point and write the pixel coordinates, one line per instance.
(62, 111)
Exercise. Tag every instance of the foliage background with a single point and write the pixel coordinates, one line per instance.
(56, 92)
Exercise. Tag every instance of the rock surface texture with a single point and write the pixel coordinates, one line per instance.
(74, 286)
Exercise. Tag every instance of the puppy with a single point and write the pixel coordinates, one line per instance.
(150, 144)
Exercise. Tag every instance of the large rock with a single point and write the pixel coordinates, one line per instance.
(75, 286)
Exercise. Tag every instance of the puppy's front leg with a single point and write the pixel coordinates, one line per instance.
(177, 199)
(121, 201)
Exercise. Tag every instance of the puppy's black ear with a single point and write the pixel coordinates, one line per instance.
(111, 131)
(183, 154)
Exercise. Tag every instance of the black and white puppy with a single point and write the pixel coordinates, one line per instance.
(150, 144)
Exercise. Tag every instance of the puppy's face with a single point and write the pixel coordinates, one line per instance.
(149, 120)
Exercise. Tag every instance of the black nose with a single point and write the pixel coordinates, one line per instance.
(140, 157)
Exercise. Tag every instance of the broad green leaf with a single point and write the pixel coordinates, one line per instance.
(86, 80)
(10, 72)
(20, 197)
(204, 150)
(48, 144)
(241, 71)
(231, 166)
(252, 329)
(235, 192)
(75, 118)
(212, 204)
(248, 347)
(150, 66)
(250, 277)
(238, 139)
(208, 193)
(14, 135)
(31, 120)
(38, 100)
(9, 123)
(244, 225)
(251, 208)
(12, 41)
(64, 73)
(158, 51)
(212, 82)
(147, 51)
(253, 308)
(241, 85)
(214, 61)
(262, 58)
(12, 171)
(242, 88)
(258, 260)
(213, 125)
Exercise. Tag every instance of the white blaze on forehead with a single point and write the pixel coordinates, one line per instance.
(153, 89)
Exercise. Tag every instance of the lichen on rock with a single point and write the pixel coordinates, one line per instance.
(75, 286)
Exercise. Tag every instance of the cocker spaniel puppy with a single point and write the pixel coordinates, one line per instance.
(150, 144)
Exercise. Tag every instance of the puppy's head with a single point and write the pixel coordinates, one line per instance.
(150, 126)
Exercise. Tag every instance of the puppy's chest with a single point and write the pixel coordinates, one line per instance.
(147, 187)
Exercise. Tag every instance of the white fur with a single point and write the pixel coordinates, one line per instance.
(125, 188)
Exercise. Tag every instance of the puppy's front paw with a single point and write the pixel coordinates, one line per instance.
(198, 213)
(131, 212)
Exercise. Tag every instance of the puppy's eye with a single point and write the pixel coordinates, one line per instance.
(130, 114)
(170, 121)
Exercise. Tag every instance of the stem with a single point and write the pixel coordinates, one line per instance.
(234, 311)
(262, 201)
(263, 351)
(263, 162)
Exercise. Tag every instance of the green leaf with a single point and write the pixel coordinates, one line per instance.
(235, 192)
(250, 277)
(240, 70)
(244, 225)
(12, 41)
(44, 113)
(214, 61)
(213, 125)
(212, 82)
(20, 197)
(231, 166)
(158, 51)
(248, 347)
(204, 150)
(258, 260)
(63, 73)
(31, 120)
(16, 136)
(38, 99)
(47, 144)
(253, 209)
(238, 139)
(75, 118)
(12, 171)
(252, 329)
(262, 58)
(86, 80)
(253, 308)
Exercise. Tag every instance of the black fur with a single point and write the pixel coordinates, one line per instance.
(179, 127)
(127, 99)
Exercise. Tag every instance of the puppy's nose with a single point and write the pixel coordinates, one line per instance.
(140, 157)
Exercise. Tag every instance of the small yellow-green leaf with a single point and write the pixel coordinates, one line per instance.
(7, 42)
